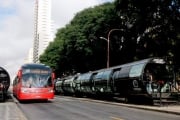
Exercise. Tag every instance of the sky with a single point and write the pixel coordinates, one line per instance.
(16, 27)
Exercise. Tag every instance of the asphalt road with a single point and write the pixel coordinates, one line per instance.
(69, 108)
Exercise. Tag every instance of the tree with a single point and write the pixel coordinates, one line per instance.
(153, 26)
(150, 28)
(77, 47)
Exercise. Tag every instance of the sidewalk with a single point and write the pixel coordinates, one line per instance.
(172, 109)
(10, 111)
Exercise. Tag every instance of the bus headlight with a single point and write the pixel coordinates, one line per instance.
(24, 90)
(51, 90)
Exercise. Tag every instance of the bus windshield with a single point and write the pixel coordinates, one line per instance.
(160, 71)
(36, 78)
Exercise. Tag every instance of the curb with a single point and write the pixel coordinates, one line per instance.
(163, 109)
(15, 101)
(21, 114)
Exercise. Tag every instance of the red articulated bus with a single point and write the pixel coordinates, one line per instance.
(34, 82)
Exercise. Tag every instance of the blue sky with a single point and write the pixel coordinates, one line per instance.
(6, 8)
(16, 26)
(6, 12)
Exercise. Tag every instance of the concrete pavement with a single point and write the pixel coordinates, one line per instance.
(9, 109)
(171, 108)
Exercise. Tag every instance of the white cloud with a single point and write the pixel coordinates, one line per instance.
(15, 33)
(16, 27)
(62, 15)
(6, 3)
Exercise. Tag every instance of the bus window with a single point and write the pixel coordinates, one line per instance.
(136, 70)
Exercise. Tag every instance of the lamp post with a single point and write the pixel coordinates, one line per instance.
(108, 43)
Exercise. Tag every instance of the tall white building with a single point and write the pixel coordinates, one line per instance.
(29, 58)
(42, 28)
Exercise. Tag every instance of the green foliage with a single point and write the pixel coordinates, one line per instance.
(77, 47)
(148, 28)
(153, 26)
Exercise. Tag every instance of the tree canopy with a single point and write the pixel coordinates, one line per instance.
(154, 26)
(145, 28)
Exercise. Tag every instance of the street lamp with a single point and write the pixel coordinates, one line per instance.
(103, 38)
(108, 45)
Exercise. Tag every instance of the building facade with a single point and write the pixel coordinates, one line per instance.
(43, 33)
(29, 58)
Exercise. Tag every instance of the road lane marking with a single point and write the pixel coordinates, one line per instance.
(116, 118)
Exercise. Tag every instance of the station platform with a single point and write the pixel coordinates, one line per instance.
(165, 108)
(172, 109)
(10, 111)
